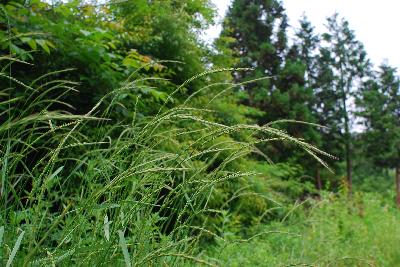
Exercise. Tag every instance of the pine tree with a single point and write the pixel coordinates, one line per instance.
(379, 102)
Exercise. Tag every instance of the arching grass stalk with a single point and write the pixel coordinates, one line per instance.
(85, 189)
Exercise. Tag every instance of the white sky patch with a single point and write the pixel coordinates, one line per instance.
(214, 31)
(375, 23)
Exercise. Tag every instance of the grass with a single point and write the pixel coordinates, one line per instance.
(167, 185)
(331, 232)
(94, 190)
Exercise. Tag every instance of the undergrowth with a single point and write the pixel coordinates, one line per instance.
(335, 231)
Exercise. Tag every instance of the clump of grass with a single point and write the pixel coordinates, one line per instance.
(89, 190)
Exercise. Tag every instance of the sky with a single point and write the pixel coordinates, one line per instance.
(376, 23)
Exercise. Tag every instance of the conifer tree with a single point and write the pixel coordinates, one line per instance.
(307, 43)
(258, 29)
(346, 57)
(379, 102)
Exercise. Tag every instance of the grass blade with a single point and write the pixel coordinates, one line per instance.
(107, 228)
(122, 243)
(15, 249)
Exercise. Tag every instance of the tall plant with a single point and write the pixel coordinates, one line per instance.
(349, 64)
(379, 101)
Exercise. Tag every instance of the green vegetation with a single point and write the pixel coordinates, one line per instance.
(126, 140)
(328, 233)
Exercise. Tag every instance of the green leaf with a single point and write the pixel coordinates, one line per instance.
(31, 42)
(15, 249)
(112, 45)
(122, 243)
(107, 227)
(65, 255)
(16, 50)
(129, 62)
(158, 95)
(44, 46)
(56, 172)
(1, 235)
(50, 44)
(84, 32)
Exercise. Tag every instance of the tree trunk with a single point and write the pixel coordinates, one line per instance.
(349, 165)
(318, 181)
(398, 187)
(347, 134)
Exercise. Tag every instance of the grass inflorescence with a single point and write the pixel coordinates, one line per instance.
(91, 190)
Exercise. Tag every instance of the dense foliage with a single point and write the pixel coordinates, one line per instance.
(126, 139)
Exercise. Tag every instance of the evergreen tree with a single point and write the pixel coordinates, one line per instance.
(294, 101)
(257, 34)
(258, 28)
(349, 64)
(327, 111)
(379, 102)
(307, 43)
